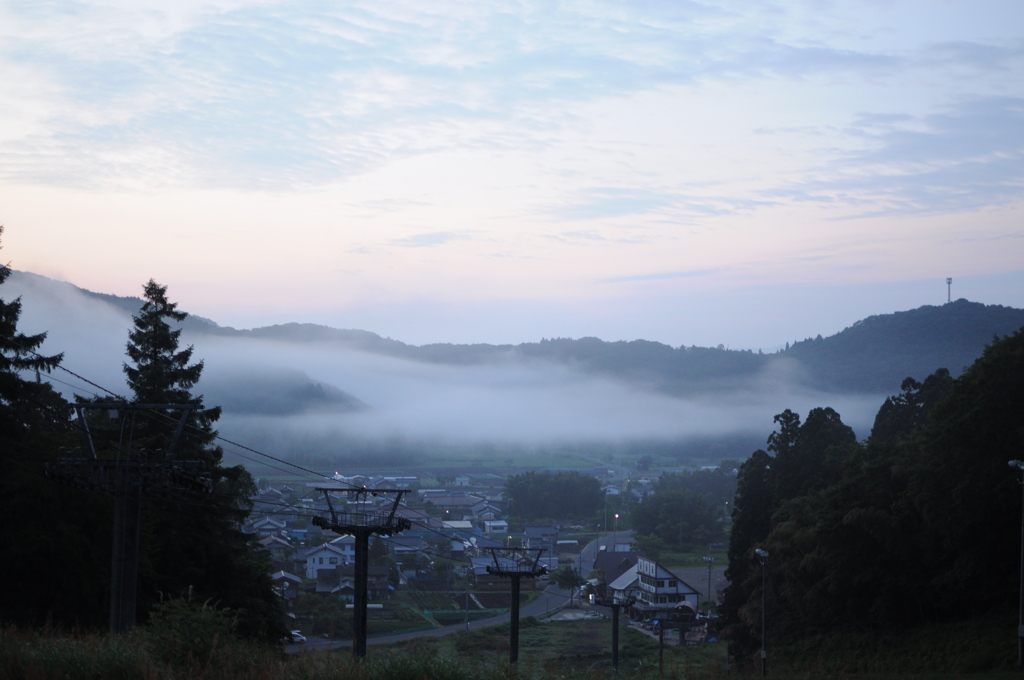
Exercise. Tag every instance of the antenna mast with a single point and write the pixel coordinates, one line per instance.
(949, 289)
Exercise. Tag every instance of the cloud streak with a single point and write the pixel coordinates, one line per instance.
(963, 157)
(276, 96)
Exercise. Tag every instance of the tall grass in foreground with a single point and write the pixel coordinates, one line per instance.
(48, 655)
(32, 655)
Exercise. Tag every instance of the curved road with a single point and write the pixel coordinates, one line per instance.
(552, 597)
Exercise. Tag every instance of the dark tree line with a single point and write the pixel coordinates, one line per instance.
(919, 523)
(686, 509)
(534, 496)
(57, 538)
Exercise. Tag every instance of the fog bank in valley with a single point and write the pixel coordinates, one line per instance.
(318, 401)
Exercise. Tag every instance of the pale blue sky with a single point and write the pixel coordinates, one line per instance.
(690, 172)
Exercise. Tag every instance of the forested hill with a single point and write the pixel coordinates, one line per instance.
(867, 355)
(872, 355)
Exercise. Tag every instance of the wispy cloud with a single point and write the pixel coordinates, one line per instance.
(278, 95)
(613, 202)
(438, 238)
(661, 276)
(605, 202)
(963, 157)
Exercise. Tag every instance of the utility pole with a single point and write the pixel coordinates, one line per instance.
(606, 597)
(710, 562)
(763, 554)
(361, 524)
(123, 479)
(1019, 465)
(516, 564)
(661, 648)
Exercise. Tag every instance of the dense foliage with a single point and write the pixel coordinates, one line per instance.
(685, 510)
(53, 566)
(919, 523)
(58, 552)
(193, 543)
(559, 495)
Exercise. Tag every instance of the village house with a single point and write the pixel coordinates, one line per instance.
(658, 589)
(454, 506)
(496, 527)
(287, 584)
(265, 526)
(278, 548)
(543, 537)
(340, 582)
(612, 565)
(326, 556)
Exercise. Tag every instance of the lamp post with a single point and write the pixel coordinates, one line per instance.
(763, 554)
(606, 511)
(615, 533)
(1019, 465)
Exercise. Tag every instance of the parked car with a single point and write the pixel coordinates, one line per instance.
(297, 636)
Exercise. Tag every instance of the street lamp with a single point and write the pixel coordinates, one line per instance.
(763, 554)
(1019, 465)
(615, 534)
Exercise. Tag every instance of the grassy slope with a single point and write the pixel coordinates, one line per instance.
(984, 648)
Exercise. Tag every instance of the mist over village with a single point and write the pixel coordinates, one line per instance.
(535, 340)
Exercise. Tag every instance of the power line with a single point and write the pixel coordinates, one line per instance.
(424, 525)
(317, 475)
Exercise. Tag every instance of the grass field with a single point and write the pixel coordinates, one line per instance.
(983, 649)
(694, 558)
(569, 649)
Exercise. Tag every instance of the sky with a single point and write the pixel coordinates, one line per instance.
(737, 173)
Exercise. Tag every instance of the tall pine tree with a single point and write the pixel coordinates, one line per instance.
(23, 402)
(195, 542)
(54, 569)
(160, 373)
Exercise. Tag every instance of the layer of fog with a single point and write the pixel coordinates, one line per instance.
(309, 399)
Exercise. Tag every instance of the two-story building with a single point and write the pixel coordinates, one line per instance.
(326, 556)
(541, 537)
(658, 588)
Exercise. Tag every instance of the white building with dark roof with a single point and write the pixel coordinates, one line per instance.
(326, 556)
(658, 588)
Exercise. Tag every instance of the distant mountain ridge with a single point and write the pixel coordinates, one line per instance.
(873, 355)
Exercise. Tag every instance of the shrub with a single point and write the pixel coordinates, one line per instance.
(181, 631)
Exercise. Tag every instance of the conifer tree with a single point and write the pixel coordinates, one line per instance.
(43, 547)
(195, 543)
(22, 400)
(160, 373)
